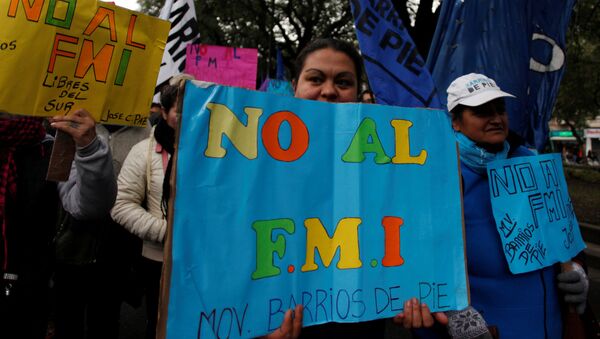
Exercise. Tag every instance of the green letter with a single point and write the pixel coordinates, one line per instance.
(66, 22)
(360, 144)
(265, 247)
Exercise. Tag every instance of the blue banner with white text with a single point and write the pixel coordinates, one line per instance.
(520, 44)
(349, 209)
(396, 72)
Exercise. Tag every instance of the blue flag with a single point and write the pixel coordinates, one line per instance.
(395, 69)
(282, 87)
(520, 44)
(280, 68)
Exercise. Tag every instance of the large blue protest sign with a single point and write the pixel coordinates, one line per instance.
(520, 44)
(348, 209)
(395, 69)
(533, 212)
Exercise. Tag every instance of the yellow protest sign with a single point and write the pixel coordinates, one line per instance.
(60, 55)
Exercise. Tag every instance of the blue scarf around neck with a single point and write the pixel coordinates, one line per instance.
(475, 157)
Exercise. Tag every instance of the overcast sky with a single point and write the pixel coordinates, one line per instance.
(131, 4)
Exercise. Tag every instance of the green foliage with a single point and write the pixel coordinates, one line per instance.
(151, 7)
(290, 25)
(579, 95)
(270, 24)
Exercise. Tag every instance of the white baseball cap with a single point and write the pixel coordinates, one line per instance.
(473, 90)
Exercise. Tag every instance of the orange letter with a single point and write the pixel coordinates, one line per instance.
(56, 51)
(32, 12)
(391, 227)
(129, 40)
(102, 14)
(101, 61)
(299, 136)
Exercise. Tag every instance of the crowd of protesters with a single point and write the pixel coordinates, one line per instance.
(574, 156)
(73, 252)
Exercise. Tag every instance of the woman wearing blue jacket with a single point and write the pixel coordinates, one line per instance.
(523, 305)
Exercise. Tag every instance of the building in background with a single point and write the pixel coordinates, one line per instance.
(563, 140)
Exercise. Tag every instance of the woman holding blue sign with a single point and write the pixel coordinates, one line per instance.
(525, 305)
(330, 70)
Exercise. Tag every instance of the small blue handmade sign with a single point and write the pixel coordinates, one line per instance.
(533, 212)
(348, 209)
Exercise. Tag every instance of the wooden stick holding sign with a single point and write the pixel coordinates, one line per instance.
(63, 153)
(75, 129)
(165, 281)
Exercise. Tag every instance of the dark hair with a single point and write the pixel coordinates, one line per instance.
(494, 105)
(366, 91)
(337, 45)
(168, 96)
(457, 111)
(362, 95)
(155, 104)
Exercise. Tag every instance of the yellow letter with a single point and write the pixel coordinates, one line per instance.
(345, 237)
(243, 137)
(403, 145)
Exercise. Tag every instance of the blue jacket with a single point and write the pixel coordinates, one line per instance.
(520, 305)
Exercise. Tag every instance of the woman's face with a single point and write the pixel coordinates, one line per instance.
(327, 75)
(486, 125)
(171, 117)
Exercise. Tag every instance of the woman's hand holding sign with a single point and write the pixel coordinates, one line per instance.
(291, 325)
(413, 316)
(79, 124)
(417, 316)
